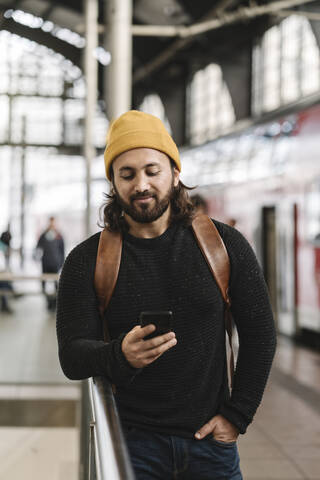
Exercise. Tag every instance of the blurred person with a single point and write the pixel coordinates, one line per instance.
(6, 288)
(199, 204)
(51, 246)
(5, 291)
(178, 415)
(5, 240)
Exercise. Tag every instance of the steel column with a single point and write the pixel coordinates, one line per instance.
(119, 43)
(91, 77)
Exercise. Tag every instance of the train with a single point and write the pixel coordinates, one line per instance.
(266, 177)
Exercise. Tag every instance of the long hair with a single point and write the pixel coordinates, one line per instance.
(182, 209)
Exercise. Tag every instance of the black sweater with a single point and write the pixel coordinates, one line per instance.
(187, 385)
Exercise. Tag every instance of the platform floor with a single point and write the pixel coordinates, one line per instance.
(283, 443)
(28, 343)
(39, 407)
(284, 440)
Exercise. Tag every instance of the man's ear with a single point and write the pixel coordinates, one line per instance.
(176, 177)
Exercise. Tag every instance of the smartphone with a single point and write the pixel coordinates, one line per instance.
(161, 319)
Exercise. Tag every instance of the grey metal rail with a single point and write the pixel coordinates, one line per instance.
(12, 277)
(104, 454)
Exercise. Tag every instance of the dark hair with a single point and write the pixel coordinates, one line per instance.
(6, 237)
(182, 209)
(198, 201)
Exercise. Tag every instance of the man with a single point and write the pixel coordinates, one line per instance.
(171, 391)
(51, 245)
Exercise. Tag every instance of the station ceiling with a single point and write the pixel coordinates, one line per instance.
(162, 59)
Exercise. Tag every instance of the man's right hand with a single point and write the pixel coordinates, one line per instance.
(140, 352)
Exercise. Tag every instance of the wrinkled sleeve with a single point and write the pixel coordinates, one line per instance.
(82, 351)
(253, 317)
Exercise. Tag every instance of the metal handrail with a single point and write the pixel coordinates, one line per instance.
(12, 277)
(103, 442)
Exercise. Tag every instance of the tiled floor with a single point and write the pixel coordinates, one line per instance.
(38, 453)
(36, 398)
(28, 343)
(283, 443)
(284, 440)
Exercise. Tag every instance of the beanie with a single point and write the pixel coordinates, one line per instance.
(136, 129)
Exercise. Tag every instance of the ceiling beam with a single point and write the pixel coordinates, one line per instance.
(309, 15)
(184, 42)
(188, 33)
(242, 13)
(62, 148)
(37, 35)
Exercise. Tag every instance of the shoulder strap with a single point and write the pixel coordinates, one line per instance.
(107, 270)
(214, 251)
(216, 255)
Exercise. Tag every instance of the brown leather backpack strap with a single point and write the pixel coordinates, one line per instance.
(107, 270)
(216, 255)
(214, 251)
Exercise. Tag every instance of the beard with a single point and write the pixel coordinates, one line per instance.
(146, 213)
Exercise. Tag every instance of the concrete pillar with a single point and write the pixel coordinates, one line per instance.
(23, 194)
(119, 44)
(173, 97)
(237, 75)
(316, 30)
(91, 77)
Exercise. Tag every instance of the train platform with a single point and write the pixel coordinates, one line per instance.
(39, 407)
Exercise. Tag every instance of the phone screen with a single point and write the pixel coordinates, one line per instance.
(161, 319)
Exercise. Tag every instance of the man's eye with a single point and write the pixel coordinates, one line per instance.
(127, 177)
(152, 174)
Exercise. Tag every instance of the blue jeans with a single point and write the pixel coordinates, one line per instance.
(156, 456)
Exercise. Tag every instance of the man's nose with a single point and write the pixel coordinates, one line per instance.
(142, 183)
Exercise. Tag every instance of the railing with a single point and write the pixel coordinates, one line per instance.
(8, 278)
(13, 277)
(103, 451)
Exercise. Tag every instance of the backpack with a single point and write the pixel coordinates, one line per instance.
(212, 248)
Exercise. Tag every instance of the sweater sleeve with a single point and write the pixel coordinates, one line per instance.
(253, 317)
(82, 352)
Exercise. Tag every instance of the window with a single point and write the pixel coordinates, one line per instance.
(286, 65)
(152, 104)
(211, 111)
(43, 94)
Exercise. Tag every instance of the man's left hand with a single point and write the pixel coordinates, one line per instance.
(221, 429)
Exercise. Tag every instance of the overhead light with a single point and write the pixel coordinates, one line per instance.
(47, 26)
(102, 55)
(27, 19)
(68, 36)
(8, 13)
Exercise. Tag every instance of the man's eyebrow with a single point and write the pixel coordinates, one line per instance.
(153, 164)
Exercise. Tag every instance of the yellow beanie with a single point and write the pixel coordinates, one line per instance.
(136, 129)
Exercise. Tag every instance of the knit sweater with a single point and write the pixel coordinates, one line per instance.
(185, 387)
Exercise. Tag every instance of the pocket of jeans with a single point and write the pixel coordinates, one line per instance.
(222, 444)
